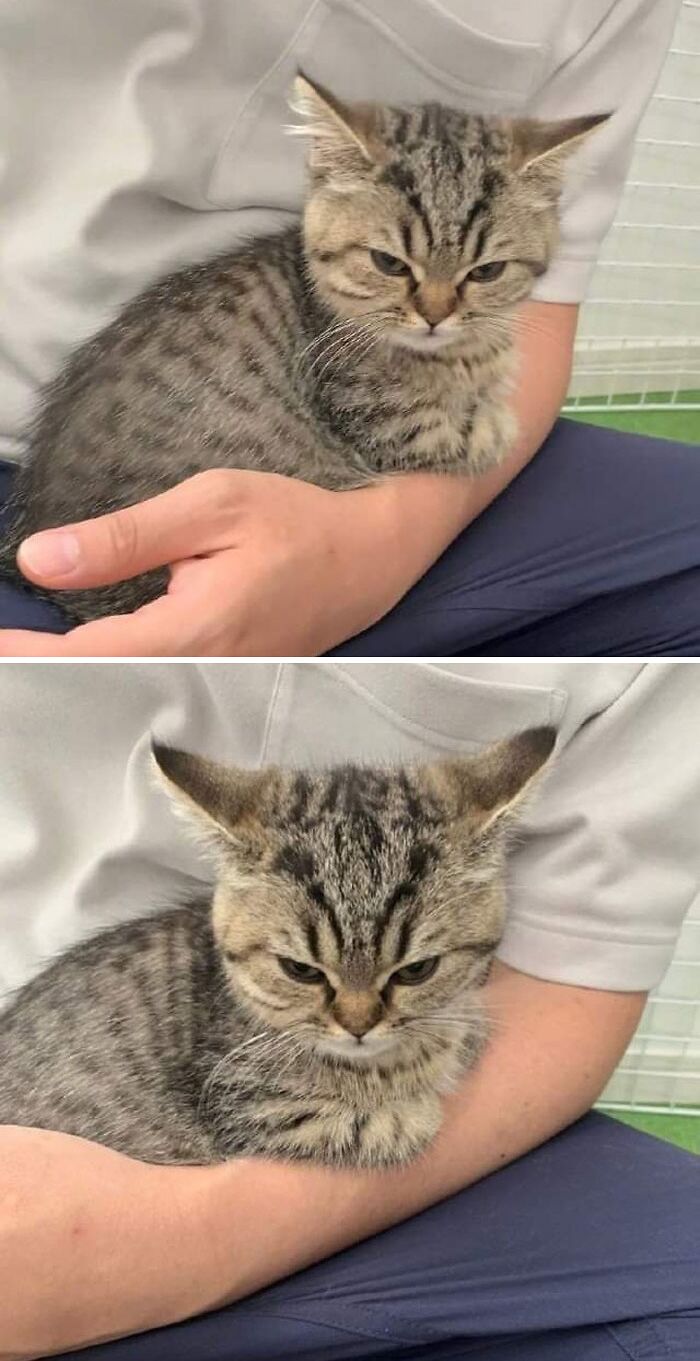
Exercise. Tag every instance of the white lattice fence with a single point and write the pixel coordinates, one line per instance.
(639, 335)
(661, 1068)
(639, 346)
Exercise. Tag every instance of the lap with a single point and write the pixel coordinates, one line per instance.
(592, 540)
(585, 1250)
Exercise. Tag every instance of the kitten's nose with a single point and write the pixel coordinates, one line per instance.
(434, 301)
(357, 1012)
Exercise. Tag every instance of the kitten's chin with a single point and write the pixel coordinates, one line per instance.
(424, 342)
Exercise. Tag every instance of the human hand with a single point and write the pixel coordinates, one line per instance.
(92, 1244)
(261, 565)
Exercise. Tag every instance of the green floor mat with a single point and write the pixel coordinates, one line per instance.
(683, 1130)
(666, 424)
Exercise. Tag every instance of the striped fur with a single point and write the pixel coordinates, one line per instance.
(181, 1037)
(295, 354)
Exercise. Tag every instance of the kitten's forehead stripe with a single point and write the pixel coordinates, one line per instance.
(429, 234)
(302, 791)
(316, 892)
(481, 238)
(311, 937)
(406, 889)
(478, 207)
(422, 857)
(297, 861)
(401, 893)
(404, 938)
(331, 917)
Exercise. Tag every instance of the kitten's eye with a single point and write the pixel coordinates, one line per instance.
(483, 274)
(416, 973)
(300, 972)
(389, 264)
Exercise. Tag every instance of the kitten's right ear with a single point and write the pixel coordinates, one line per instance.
(340, 134)
(225, 803)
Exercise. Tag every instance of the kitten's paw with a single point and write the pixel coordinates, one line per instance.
(398, 1133)
(394, 1134)
(492, 435)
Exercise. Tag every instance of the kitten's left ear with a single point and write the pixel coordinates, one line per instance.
(548, 144)
(225, 803)
(484, 788)
(341, 134)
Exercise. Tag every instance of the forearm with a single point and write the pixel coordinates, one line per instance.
(114, 1246)
(552, 1051)
(425, 512)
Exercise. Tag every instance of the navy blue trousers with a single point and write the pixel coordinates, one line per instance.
(587, 1249)
(593, 551)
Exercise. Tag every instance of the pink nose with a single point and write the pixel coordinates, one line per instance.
(357, 1012)
(434, 302)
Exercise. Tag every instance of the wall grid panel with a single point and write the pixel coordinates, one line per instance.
(639, 336)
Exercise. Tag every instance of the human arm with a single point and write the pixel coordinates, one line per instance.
(111, 1246)
(266, 566)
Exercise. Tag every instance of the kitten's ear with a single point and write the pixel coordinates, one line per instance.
(341, 134)
(485, 788)
(225, 803)
(537, 143)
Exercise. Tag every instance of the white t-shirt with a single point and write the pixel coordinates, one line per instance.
(137, 135)
(604, 867)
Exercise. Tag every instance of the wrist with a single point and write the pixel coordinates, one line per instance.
(409, 519)
(187, 1234)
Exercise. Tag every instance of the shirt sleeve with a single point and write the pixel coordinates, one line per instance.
(608, 859)
(616, 68)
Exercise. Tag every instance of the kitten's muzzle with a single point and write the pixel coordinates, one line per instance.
(359, 1050)
(425, 339)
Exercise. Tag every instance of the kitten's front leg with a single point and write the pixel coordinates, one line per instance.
(335, 1134)
(493, 431)
(399, 1132)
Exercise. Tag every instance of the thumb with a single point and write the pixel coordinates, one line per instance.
(190, 519)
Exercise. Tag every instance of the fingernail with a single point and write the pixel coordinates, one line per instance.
(53, 554)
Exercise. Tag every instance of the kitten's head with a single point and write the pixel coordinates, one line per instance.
(422, 221)
(359, 907)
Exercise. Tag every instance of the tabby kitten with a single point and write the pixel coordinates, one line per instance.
(323, 1001)
(376, 337)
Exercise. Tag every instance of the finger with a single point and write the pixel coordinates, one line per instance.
(197, 618)
(193, 518)
(160, 629)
